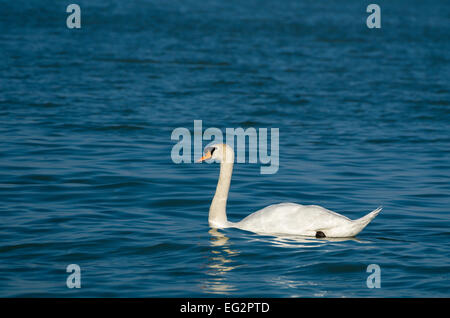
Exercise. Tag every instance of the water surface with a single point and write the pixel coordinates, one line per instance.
(86, 117)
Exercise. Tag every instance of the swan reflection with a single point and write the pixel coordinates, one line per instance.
(222, 257)
(219, 264)
(297, 241)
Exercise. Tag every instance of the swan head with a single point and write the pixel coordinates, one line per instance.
(219, 152)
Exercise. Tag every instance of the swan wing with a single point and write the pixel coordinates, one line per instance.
(292, 218)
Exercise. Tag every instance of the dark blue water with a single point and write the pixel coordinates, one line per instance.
(86, 117)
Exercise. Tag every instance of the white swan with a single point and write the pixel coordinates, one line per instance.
(283, 218)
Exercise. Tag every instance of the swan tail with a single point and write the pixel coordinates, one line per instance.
(368, 217)
(359, 224)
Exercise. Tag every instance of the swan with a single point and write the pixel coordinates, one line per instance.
(283, 218)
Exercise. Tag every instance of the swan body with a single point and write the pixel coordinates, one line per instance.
(282, 218)
(308, 220)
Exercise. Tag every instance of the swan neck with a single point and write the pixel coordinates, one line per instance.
(217, 211)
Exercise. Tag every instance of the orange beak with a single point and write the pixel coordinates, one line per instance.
(205, 157)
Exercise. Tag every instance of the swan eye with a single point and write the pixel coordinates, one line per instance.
(212, 151)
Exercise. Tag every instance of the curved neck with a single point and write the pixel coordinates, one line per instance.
(217, 211)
